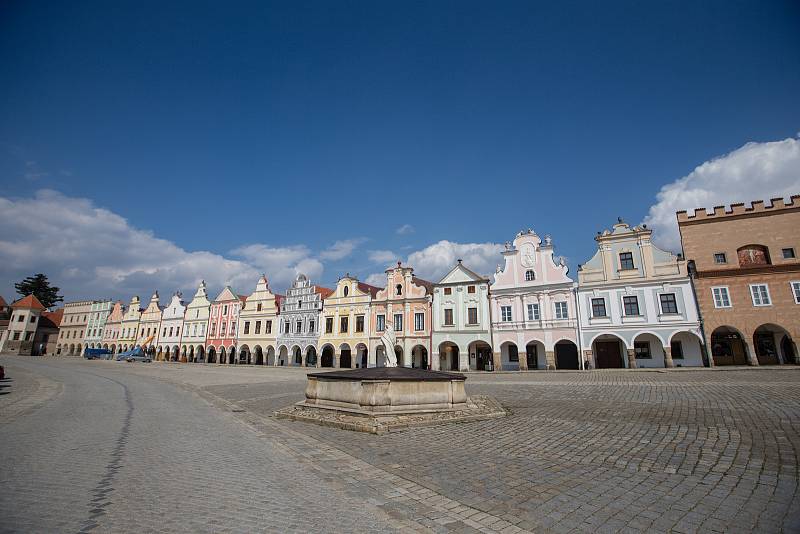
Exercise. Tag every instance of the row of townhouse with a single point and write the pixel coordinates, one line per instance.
(731, 298)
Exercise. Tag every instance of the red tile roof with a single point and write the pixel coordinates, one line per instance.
(424, 283)
(366, 288)
(243, 297)
(324, 292)
(30, 302)
(54, 318)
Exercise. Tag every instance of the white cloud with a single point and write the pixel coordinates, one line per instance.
(376, 279)
(756, 171)
(382, 256)
(91, 252)
(341, 249)
(405, 230)
(436, 260)
(280, 264)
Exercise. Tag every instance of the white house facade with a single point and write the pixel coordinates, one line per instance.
(637, 308)
(462, 335)
(169, 337)
(195, 322)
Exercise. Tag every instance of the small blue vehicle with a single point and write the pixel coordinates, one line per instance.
(97, 354)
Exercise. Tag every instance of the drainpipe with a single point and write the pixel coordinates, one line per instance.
(578, 324)
(707, 361)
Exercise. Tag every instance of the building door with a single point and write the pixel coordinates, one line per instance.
(567, 355)
(766, 351)
(609, 355)
(344, 359)
(454, 359)
(532, 356)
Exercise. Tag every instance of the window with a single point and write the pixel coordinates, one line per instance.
(599, 308)
(16, 336)
(668, 303)
(561, 310)
(448, 291)
(344, 325)
(299, 304)
(258, 327)
(788, 253)
(720, 257)
(359, 323)
(626, 261)
(760, 293)
(470, 289)
(642, 349)
(247, 327)
(28, 336)
(177, 330)
(529, 275)
(268, 328)
(299, 327)
(329, 325)
(513, 353)
(165, 332)
(222, 328)
(796, 292)
(346, 291)
(505, 314)
(20, 318)
(170, 331)
(258, 307)
(33, 318)
(224, 310)
(211, 330)
(286, 327)
(448, 317)
(311, 326)
(533, 312)
(722, 298)
(398, 322)
(380, 322)
(631, 305)
(398, 289)
(472, 315)
(677, 350)
(419, 322)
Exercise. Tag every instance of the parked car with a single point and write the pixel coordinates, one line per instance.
(140, 357)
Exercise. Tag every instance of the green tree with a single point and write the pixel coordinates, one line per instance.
(38, 286)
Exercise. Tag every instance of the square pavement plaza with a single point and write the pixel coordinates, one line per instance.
(605, 451)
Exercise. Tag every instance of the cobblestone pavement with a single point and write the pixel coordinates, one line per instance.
(602, 451)
(116, 452)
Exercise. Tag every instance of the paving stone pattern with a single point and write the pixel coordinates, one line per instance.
(602, 451)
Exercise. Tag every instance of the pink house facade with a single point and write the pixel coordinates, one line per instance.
(406, 302)
(534, 320)
(222, 321)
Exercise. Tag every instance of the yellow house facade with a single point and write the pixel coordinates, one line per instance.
(128, 333)
(258, 321)
(345, 324)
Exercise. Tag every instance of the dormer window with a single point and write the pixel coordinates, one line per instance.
(626, 261)
(398, 289)
(529, 275)
(346, 291)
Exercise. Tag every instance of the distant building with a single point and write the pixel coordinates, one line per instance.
(344, 322)
(746, 273)
(258, 325)
(534, 316)
(462, 326)
(45, 341)
(95, 326)
(113, 327)
(195, 323)
(149, 322)
(636, 304)
(129, 327)
(73, 327)
(405, 303)
(25, 317)
(298, 332)
(223, 317)
(171, 331)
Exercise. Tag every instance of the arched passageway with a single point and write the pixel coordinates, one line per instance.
(345, 358)
(362, 359)
(212, 355)
(327, 358)
(259, 355)
(609, 352)
(509, 356)
(567, 355)
(419, 357)
(728, 347)
(311, 356)
(773, 345)
(448, 356)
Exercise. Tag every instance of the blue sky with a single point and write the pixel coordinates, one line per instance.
(305, 123)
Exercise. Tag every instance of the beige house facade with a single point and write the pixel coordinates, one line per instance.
(258, 320)
(73, 327)
(344, 323)
(129, 326)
